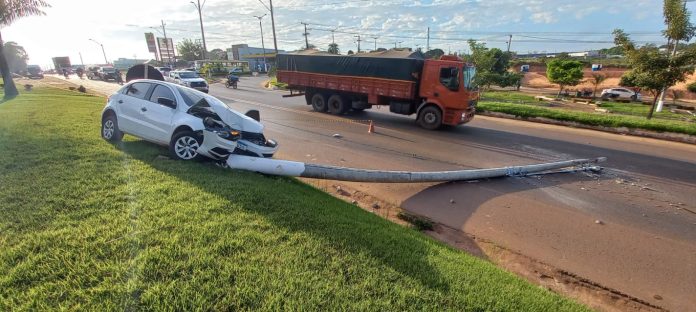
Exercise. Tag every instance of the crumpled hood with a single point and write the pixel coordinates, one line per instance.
(232, 118)
(192, 79)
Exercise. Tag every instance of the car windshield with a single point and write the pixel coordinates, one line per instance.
(188, 75)
(469, 74)
(108, 70)
(190, 96)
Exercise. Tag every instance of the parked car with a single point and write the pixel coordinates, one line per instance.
(620, 94)
(35, 72)
(93, 73)
(189, 79)
(236, 70)
(192, 123)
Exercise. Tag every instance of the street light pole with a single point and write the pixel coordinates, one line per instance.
(263, 46)
(102, 47)
(200, 18)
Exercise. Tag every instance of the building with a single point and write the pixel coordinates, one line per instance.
(584, 54)
(259, 59)
(124, 63)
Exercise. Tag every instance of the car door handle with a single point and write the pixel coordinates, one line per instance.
(143, 109)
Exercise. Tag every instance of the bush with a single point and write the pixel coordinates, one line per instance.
(691, 87)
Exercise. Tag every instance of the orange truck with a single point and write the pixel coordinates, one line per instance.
(440, 92)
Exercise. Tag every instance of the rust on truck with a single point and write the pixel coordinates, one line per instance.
(439, 92)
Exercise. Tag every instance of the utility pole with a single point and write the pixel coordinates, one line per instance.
(200, 18)
(275, 42)
(306, 35)
(397, 42)
(332, 35)
(358, 36)
(375, 42)
(81, 61)
(427, 43)
(102, 46)
(509, 42)
(263, 46)
(166, 43)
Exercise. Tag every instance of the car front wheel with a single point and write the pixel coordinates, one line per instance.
(184, 145)
(109, 129)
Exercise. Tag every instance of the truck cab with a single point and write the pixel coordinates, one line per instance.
(449, 97)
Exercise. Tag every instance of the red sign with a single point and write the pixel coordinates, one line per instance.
(150, 39)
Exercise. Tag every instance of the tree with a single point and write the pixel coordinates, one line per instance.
(350, 52)
(564, 73)
(333, 48)
(434, 54)
(653, 70)
(691, 87)
(16, 57)
(597, 79)
(189, 50)
(218, 54)
(10, 11)
(492, 66)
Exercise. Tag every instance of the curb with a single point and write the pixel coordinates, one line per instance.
(667, 136)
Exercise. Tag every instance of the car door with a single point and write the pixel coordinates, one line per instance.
(130, 107)
(448, 89)
(159, 116)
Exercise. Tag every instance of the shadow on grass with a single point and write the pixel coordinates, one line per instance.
(307, 210)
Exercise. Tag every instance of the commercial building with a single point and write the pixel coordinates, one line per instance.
(255, 56)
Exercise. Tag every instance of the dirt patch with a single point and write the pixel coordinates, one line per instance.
(559, 281)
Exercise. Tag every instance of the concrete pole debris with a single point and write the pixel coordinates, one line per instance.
(299, 169)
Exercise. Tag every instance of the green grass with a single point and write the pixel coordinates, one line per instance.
(637, 109)
(592, 119)
(86, 225)
(507, 96)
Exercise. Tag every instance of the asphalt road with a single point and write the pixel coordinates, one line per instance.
(631, 228)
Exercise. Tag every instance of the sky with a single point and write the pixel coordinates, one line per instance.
(535, 25)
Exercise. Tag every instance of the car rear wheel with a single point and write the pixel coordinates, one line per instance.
(109, 129)
(430, 118)
(184, 145)
(338, 105)
(319, 102)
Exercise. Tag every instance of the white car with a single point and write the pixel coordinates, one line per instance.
(189, 79)
(620, 94)
(193, 124)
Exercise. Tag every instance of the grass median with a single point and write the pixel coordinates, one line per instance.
(590, 119)
(86, 225)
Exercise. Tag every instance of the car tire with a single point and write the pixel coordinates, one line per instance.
(337, 105)
(634, 98)
(430, 117)
(184, 145)
(110, 130)
(319, 102)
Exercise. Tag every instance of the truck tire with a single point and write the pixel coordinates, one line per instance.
(338, 105)
(319, 102)
(430, 117)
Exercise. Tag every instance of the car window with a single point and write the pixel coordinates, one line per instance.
(190, 96)
(449, 77)
(162, 92)
(138, 90)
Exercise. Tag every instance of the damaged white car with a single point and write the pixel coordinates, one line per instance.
(191, 123)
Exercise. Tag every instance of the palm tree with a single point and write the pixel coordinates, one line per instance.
(597, 79)
(10, 11)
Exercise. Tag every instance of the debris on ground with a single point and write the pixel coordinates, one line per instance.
(337, 135)
(451, 201)
(599, 222)
(375, 206)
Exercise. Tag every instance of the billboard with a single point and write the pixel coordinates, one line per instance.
(150, 39)
(166, 50)
(61, 62)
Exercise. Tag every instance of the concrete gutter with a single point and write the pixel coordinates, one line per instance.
(299, 169)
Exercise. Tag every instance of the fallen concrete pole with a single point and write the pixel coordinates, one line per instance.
(299, 169)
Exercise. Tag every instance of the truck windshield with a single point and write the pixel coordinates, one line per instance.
(469, 74)
(187, 75)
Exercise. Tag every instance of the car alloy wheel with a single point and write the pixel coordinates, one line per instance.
(186, 147)
(108, 129)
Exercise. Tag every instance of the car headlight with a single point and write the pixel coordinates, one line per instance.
(232, 135)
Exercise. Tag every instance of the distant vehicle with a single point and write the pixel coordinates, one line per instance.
(62, 62)
(620, 94)
(107, 73)
(189, 79)
(164, 70)
(35, 72)
(191, 123)
(93, 73)
(440, 92)
(236, 70)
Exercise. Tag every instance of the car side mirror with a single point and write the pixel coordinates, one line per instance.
(254, 114)
(166, 102)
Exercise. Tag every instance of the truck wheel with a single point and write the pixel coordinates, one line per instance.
(338, 105)
(430, 118)
(319, 102)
